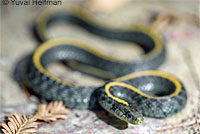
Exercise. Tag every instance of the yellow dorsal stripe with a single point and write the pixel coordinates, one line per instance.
(139, 74)
(55, 42)
(87, 16)
(108, 86)
(175, 81)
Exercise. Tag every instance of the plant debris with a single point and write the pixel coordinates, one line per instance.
(20, 124)
(51, 112)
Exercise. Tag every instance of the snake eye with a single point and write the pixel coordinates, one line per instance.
(128, 115)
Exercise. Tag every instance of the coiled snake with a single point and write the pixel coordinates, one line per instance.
(132, 93)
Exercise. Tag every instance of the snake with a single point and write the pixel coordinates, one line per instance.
(133, 88)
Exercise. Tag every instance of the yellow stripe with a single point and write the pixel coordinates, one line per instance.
(139, 74)
(40, 50)
(109, 85)
(107, 90)
(58, 41)
(153, 73)
(85, 15)
(70, 41)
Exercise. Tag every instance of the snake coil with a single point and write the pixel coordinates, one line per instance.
(129, 95)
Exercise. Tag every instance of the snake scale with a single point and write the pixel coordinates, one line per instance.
(136, 89)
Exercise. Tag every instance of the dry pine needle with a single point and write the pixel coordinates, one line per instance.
(19, 124)
(51, 112)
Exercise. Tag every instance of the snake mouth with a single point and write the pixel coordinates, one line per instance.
(135, 119)
(139, 121)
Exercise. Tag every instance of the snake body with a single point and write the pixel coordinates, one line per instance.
(129, 95)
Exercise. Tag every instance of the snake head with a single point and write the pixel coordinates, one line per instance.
(133, 115)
